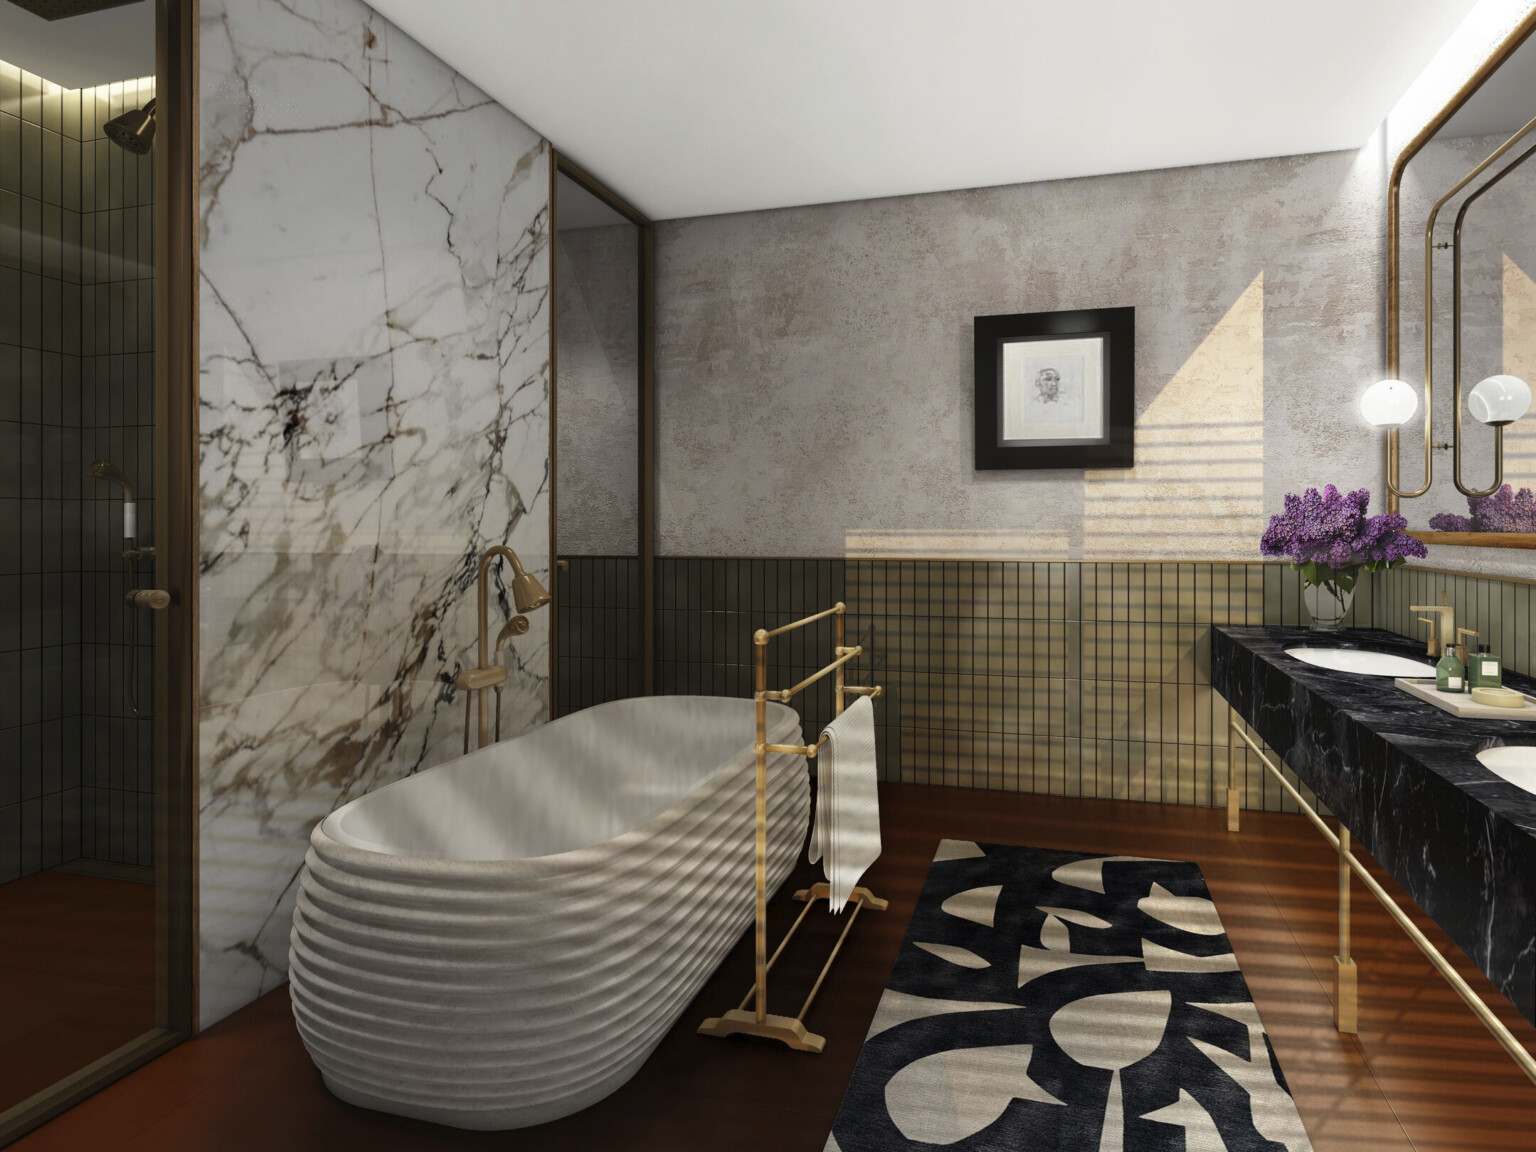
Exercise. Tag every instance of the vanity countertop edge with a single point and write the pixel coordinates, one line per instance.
(1403, 776)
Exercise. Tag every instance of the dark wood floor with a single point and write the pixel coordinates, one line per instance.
(77, 975)
(1422, 1074)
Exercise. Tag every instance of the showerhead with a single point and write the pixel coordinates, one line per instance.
(133, 131)
(106, 470)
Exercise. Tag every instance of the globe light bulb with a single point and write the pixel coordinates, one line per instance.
(1389, 403)
(1500, 400)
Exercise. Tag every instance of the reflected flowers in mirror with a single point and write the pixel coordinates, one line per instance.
(1505, 511)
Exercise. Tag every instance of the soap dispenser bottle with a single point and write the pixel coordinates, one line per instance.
(1484, 670)
(1449, 673)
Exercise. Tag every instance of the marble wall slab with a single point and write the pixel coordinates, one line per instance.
(374, 413)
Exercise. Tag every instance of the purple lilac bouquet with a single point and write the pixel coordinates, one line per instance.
(1504, 511)
(1330, 539)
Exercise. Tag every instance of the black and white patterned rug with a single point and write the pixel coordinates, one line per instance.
(1066, 1002)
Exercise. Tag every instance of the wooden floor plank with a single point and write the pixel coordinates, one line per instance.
(1422, 1075)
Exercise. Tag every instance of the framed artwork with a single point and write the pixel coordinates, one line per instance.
(1056, 389)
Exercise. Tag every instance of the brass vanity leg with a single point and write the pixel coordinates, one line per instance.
(1234, 797)
(1346, 1001)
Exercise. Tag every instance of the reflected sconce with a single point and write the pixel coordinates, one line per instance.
(1500, 400)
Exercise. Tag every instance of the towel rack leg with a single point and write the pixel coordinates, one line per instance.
(820, 891)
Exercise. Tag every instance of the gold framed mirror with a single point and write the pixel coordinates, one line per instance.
(1461, 307)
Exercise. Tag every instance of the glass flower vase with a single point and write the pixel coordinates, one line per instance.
(1327, 604)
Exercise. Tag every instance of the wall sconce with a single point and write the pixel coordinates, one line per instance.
(1389, 404)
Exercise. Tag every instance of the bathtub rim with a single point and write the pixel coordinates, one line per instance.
(782, 720)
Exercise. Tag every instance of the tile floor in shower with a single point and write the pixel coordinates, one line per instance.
(1422, 1074)
(77, 975)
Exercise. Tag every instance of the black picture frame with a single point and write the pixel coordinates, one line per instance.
(1090, 402)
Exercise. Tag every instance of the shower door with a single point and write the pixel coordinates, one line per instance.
(603, 457)
(94, 725)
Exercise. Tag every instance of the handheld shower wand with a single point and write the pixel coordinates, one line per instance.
(106, 470)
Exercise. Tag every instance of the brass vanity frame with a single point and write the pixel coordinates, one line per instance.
(1345, 974)
(789, 1030)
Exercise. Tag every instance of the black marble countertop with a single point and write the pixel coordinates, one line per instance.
(1404, 777)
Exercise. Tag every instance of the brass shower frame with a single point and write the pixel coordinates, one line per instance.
(1507, 48)
(176, 535)
(561, 164)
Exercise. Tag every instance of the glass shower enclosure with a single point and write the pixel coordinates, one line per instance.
(83, 904)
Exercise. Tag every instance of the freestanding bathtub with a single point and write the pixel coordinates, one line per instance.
(503, 939)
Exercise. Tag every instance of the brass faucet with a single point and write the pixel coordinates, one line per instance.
(527, 595)
(1444, 640)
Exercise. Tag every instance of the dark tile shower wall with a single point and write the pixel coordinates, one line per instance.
(76, 372)
(597, 647)
(1083, 679)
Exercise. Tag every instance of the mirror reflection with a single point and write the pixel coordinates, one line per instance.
(1487, 321)
(597, 497)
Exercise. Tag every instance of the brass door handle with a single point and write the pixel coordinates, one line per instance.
(149, 598)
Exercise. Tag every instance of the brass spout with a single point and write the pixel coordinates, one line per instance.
(517, 626)
(527, 594)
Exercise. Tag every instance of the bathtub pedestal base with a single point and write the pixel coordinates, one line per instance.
(483, 1119)
(785, 1029)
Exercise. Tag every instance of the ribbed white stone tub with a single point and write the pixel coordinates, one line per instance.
(503, 939)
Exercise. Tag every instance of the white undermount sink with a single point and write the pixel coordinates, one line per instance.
(1513, 762)
(1360, 662)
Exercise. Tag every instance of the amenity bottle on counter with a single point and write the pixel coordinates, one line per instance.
(1483, 669)
(1450, 676)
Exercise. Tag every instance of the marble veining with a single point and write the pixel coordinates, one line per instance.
(374, 412)
(1404, 778)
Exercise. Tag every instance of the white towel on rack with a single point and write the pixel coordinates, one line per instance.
(846, 837)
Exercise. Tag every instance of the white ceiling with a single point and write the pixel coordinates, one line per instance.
(1505, 102)
(695, 107)
(81, 51)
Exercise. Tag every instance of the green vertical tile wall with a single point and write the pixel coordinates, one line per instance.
(1078, 679)
(1498, 610)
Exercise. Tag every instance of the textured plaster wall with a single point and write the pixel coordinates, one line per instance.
(814, 365)
(597, 338)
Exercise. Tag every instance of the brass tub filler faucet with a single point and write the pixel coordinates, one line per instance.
(527, 595)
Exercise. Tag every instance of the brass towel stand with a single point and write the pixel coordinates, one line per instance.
(760, 1022)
